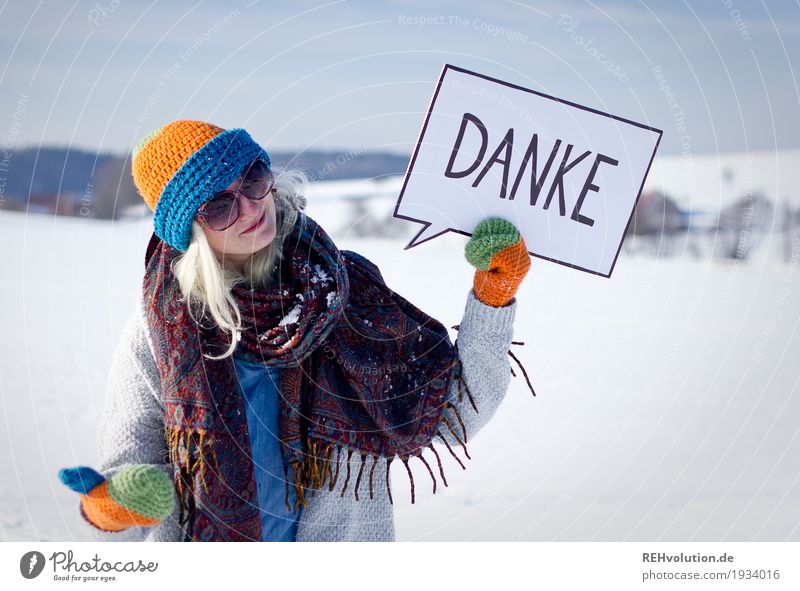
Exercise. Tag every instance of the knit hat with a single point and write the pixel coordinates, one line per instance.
(182, 165)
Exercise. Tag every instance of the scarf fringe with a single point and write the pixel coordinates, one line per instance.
(189, 454)
(462, 387)
(522, 367)
(514, 357)
(319, 467)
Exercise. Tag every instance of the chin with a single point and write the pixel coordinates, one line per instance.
(262, 241)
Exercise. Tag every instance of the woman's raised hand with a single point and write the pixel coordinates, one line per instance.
(498, 252)
(137, 495)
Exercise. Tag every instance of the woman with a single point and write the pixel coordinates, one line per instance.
(267, 380)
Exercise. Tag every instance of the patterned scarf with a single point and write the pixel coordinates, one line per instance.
(362, 370)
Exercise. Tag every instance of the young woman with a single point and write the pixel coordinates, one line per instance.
(266, 380)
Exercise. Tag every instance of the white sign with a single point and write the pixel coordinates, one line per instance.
(566, 175)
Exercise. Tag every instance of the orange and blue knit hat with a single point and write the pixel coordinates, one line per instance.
(182, 165)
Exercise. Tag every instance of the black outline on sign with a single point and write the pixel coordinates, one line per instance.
(509, 84)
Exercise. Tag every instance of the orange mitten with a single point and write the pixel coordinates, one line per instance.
(498, 252)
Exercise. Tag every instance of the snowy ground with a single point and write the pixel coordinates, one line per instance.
(667, 404)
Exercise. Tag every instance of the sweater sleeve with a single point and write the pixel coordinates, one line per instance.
(131, 430)
(484, 337)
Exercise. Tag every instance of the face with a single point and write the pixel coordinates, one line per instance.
(252, 231)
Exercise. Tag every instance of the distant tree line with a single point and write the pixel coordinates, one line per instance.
(735, 231)
(99, 185)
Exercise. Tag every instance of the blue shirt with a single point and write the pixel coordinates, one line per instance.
(260, 386)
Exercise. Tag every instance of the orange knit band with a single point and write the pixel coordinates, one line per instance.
(106, 514)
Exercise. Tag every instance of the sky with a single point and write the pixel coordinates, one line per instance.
(716, 77)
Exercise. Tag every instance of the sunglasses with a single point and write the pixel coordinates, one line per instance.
(222, 211)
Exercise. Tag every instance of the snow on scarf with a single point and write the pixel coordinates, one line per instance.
(363, 370)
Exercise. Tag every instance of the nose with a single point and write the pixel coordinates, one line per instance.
(249, 210)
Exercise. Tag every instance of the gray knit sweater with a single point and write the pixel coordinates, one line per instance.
(132, 427)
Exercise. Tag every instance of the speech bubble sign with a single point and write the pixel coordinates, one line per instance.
(566, 175)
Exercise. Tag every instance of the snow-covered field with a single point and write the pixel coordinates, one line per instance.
(667, 407)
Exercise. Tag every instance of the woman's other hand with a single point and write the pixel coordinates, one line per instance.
(498, 252)
(137, 495)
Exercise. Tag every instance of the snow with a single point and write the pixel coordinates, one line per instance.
(292, 317)
(666, 409)
(330, 298)
(320, 275)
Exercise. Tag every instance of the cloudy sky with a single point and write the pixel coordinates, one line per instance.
(715, 76)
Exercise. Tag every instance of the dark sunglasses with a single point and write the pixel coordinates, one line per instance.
(222, 211)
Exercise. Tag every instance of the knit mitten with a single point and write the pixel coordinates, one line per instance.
(137, 495)
(501, 258)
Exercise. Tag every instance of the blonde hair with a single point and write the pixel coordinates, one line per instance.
(206, 285)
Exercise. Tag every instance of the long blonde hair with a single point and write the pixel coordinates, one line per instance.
(206, 285)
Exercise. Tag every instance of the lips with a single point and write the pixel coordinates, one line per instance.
(256, 225)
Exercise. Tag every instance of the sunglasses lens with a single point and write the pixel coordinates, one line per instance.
(257, 182)
(222, 211)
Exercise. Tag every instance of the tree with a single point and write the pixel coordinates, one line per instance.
(113, 189)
